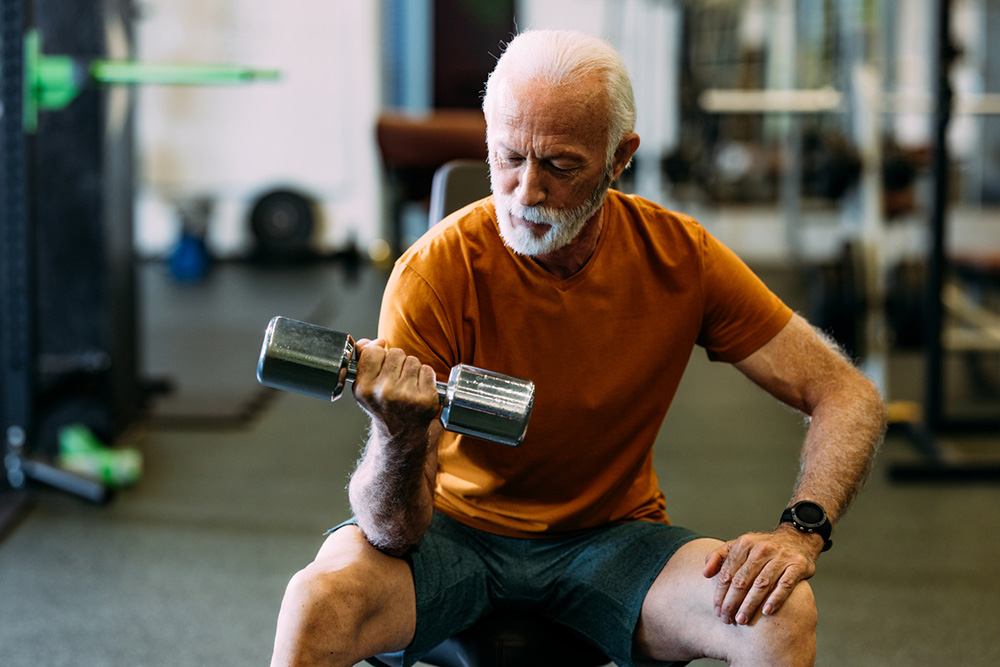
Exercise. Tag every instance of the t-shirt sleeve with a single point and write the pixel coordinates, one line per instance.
(414, 318)
(740, 313)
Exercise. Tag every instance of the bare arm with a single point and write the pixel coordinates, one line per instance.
(846, 414)
(391, 491)
(846, 424)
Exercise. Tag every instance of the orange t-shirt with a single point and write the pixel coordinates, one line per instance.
(606, 349)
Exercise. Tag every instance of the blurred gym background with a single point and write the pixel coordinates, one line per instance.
(177, 172)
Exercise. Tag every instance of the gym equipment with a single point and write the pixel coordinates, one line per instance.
(505, 637)
(53, 81)
(282, 222)
(66, 206)
(316, 361)
(939, 464)
(455, 184)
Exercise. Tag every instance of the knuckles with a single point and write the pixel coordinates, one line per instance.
(740, 583)
(787, 583)
(390, 380)
(756, 565)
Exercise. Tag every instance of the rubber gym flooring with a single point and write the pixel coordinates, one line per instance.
(188, 567)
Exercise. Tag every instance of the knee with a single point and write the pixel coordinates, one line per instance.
(322, 615)
(789, 636)
(802, 608)
(333, 599)
(350, 603)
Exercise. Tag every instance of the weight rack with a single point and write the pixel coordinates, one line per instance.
(937, 465)
(20, 312)
(16, 267)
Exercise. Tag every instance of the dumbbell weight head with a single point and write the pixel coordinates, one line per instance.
(487, 405)
(305, 358)
(315, 361)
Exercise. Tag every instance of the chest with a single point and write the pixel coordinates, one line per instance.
(607, 337)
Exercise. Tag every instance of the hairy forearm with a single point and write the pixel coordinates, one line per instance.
(845, 431)
(805, 369)
(391, 491)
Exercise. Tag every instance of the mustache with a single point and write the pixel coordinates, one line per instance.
(539, 215)
(556, 217)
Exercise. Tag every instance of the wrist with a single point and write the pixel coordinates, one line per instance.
(809, 518)
(401, 436)
(814, 543)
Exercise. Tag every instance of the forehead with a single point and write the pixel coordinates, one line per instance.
(527, 115)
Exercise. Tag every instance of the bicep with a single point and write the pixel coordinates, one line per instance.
(797, 366)
(413, 317)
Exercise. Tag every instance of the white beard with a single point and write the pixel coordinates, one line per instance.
(564, 224)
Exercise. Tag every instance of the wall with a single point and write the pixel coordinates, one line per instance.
(648, 36)
(312, 130)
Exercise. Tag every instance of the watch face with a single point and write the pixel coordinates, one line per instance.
(809, 514)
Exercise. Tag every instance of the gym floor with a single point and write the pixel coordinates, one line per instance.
(188, 566)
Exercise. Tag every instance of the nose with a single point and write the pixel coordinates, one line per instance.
(530, 188)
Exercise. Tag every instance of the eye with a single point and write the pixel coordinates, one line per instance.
(509, 161)
(562, 169)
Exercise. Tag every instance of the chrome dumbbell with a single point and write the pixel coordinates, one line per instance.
(316, 361)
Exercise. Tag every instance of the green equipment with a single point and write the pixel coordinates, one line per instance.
(51, 82)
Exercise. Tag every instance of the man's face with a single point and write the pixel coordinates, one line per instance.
(548, 164)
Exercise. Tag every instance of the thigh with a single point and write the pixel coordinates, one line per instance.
(451, 584)
(601, 593)
(678, 620)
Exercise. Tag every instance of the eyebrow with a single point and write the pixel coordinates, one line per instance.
(571, 155)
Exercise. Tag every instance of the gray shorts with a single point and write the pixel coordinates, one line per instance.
(594, 583)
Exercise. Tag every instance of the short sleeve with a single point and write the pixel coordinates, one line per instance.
(741, 313)
(413, 318)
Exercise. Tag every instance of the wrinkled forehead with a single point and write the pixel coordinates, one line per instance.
(536, 107)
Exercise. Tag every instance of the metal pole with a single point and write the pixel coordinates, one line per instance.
(934, 310)
(17, 255)
(18, 296)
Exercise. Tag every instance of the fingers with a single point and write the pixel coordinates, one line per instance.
(434, 432)
(755, 573)
(714, 561)
(394, 388)
(747, 593)
(783, 590)
(362, 343)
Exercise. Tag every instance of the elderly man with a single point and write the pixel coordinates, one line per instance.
(599, 298)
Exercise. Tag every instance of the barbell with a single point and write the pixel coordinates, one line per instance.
(313, 360)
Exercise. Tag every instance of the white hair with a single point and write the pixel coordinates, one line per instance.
(559, 57)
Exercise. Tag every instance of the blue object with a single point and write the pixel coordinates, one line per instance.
(189, 261)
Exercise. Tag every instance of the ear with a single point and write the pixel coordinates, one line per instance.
(623, 154)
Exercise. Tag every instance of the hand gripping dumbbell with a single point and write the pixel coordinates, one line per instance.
(316, 361)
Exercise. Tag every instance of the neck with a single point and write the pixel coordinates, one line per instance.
(569, 259)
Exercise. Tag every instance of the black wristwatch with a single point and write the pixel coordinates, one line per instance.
(810, 517)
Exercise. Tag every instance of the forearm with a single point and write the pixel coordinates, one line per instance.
(844, 434)
(392, 490)
(803, 368)
(846, 425)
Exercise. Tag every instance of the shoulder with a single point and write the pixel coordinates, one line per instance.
(644, 210)
(445, 260)
(431, 295)
(459, 238)
(655, 227)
